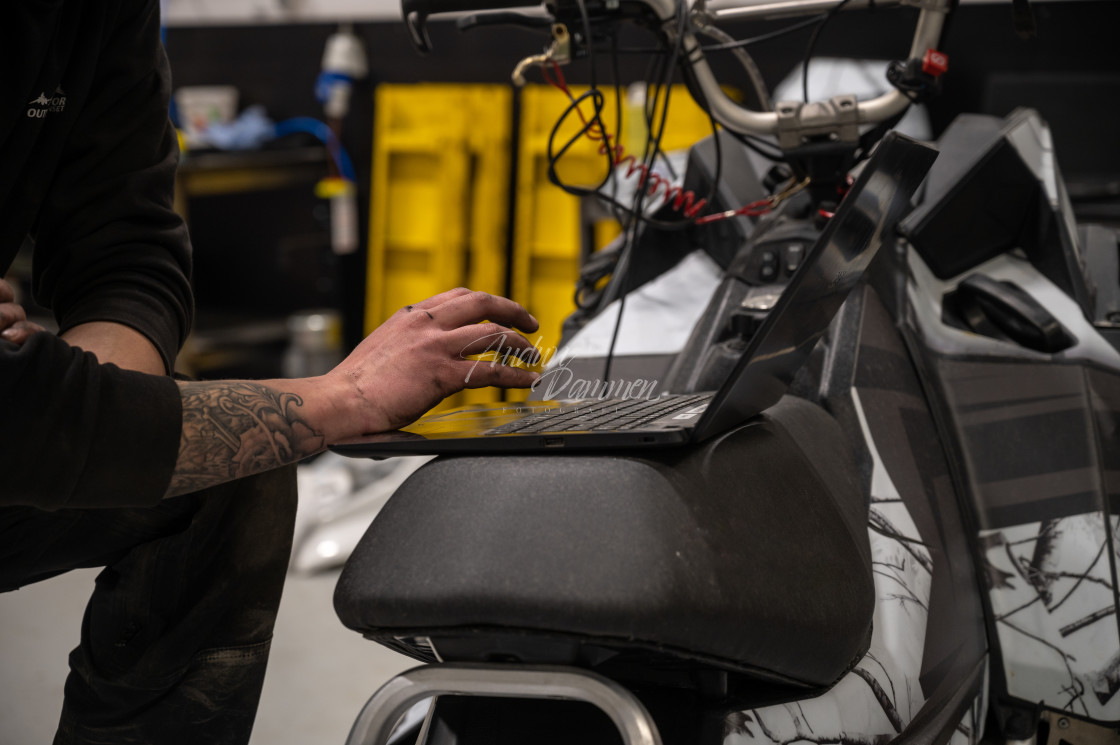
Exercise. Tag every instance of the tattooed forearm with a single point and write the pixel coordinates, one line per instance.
(235, 429)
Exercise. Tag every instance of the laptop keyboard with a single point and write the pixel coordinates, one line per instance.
(601, 416)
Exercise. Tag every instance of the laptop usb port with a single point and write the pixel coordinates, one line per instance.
(554, 442)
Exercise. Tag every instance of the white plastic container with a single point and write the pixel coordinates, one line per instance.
(203, 105)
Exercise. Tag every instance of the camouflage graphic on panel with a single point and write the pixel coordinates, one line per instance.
(1038, 438)
(1054, 603)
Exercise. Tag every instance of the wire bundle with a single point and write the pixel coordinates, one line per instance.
(663, 65)
(649, 180)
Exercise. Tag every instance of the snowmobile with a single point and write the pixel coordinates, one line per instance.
(915, 544)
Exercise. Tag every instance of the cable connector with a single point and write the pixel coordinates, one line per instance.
(761, 207)
(559, 52)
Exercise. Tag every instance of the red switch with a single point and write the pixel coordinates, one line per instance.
(935, 63)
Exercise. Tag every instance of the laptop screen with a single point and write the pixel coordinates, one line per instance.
(832, 268)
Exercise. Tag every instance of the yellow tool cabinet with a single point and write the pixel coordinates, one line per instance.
(439, 196)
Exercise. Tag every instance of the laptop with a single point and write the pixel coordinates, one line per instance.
(834, 265)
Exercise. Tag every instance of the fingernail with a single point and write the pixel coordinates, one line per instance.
(536, 375)
(8, 333)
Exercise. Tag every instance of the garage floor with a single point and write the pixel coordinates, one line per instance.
(319, 676)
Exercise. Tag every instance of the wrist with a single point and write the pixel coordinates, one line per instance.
(337, 406)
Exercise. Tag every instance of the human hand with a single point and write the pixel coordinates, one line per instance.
(14, 326)
(418, 357)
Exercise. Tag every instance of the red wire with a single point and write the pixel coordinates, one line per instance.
(754, 209)
(841, 191)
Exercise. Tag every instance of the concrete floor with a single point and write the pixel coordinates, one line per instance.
(319, 676)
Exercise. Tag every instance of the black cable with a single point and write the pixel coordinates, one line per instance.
(616, 73)
(650, 111)
(585, 296)
(658, 152)
(815, 20)
(598, 102)
(554, 156)
(658, 69)
(592, 76)
(653, 145)
(868, 139)
(759, 145)
(813, 43)
(769, 35)
(590, 44)
(705, 106)
(649, 107)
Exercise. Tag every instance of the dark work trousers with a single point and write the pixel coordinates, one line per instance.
(176, 635)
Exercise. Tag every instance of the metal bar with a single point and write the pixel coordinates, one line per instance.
(384, 709)
(786, 8)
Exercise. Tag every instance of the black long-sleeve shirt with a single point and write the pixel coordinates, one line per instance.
(87, 162)
(76, 433)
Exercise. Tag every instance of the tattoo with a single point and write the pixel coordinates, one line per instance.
(236, 429)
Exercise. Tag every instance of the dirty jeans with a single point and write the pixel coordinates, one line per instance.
(176, 634)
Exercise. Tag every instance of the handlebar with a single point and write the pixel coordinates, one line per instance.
(792, 122)
(927, 35)
(787, 8)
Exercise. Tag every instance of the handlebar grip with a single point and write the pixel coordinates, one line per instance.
(416, 13)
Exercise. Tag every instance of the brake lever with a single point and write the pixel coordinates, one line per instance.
(416, 12)
(502, 18)
(418, 31)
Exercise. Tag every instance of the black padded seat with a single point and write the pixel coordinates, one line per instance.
(747, 554)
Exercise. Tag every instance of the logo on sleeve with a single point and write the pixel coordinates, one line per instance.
(38, 108)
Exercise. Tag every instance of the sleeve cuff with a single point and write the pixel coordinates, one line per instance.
(141, 309)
